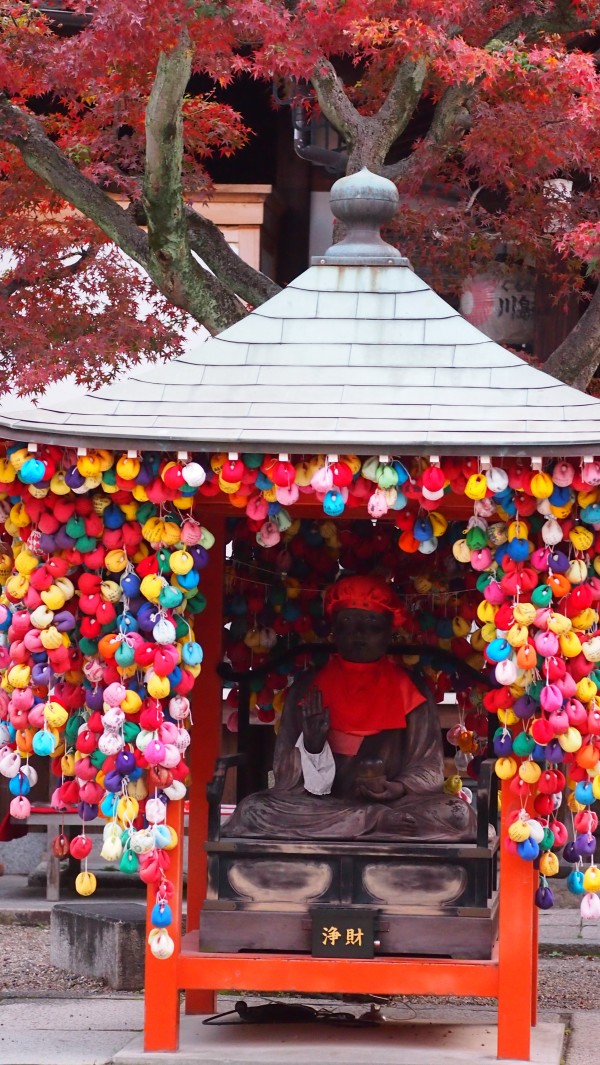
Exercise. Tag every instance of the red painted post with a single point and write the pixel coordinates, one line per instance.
(161, 995)
(534, 960)
(204, 749)
(516, 938)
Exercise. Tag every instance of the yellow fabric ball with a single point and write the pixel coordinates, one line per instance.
(486, 612)
(570, 644)
(585, 689)
(530, 772)
(577, 571)
(110, 591)
(542, 485)
(581, 538)
(524, 613)
(460, 626)
(549, 864)
(58, 484)
(51, 638)
(19, 516)
(476, 486)
(128, 468)
(505, 768)
(571, 740)
(18, 457)
(508, 718)
(115, 561)
(158, 687)
(8, 472)
(585, 619)
(171, 533)
(517, 635)
(151, 587)
(55, 715)
(105, 459)
(17, 585)
(26, 562)
(591, 879)
(181, 562)
(85, 883)
(519, 831)
(18, 676)
(88, 465)
(131, 703)
(127, 809)
(462, 551)
(53, 598)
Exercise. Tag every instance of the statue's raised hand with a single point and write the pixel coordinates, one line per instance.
(315, 721)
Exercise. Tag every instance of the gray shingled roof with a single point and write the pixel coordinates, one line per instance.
(347, 358)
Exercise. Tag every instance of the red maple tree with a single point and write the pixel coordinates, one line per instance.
(103, 148)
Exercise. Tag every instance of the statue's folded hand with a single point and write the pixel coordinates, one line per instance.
(380, 790)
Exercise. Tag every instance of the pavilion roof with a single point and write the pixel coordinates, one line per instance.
(356, 354)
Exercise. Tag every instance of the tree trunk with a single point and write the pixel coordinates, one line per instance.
(576, 360)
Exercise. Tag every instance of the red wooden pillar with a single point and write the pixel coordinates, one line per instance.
(534, 974)
(516, 946)
(161, 994)
(207, 702)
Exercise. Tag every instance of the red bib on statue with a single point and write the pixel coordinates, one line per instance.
(364, 698)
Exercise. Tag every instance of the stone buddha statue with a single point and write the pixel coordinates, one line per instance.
(359, 750)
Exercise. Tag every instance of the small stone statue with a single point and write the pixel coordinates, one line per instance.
(359, 750)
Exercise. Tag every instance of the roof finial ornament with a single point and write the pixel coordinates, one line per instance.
(363, 202)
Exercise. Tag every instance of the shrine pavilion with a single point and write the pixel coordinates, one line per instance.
(357, 356)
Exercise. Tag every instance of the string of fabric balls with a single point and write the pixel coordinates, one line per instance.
(101, 567)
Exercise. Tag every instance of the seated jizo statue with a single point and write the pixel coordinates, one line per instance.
(359, 750)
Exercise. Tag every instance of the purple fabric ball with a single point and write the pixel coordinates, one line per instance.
(73, 478)
(544, 898)
(554, 752)
(125, 762)
(525, 706)
(63, 540)
(113, 781)
(93, 698)
(42, 674)
(200, 556)
(47, 543)
(585, 844)
(87, 811)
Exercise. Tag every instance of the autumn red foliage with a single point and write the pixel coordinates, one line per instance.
(488, 101)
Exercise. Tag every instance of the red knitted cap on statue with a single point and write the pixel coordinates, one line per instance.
(364, 593)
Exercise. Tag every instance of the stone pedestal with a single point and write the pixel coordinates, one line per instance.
(102, 940)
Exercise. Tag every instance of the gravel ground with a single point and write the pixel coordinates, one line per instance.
(26, 968)
(566, 982)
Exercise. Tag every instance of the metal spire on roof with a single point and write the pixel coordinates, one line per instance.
(363, 202)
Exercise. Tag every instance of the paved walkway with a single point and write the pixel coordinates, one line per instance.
(108, 1031)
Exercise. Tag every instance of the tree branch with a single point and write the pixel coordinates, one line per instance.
(576, 360)
(449, 116)
(369, 137)
(399, 105)
(333, 101)
(207, 241)
(184, 280)
(58, 172)
(563, 19)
